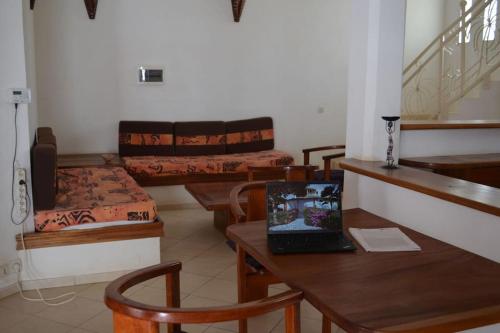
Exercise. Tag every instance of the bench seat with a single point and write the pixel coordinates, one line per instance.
(96, 195)
(164, 166)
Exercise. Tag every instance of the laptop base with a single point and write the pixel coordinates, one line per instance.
(284, 244)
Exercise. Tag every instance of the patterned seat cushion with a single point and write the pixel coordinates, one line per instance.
(159, 166)
(88, 195)
(138, 138)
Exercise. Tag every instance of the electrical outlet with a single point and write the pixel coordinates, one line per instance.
(12, 267)
(20, 195)
(20, 95)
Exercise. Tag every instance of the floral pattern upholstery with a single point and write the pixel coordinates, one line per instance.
(88, 195)
(159, 166)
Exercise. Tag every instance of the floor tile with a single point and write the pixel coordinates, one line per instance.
(16, 302)
(229, 274)
(219, 290)
(74, 313)
(32, 324)
(94, 291)
(188, 281)
(9, 318)
(102, 323)
(209, 266)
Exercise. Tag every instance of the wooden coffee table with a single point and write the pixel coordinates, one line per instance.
(215, 197)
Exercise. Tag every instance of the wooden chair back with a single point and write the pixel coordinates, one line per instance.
(256, 190)
(131, 316)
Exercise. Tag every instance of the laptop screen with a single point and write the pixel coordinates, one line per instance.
(298, 207)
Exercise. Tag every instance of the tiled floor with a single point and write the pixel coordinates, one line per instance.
(208, 278)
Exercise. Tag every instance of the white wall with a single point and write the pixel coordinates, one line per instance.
(425, 19)
(29, 50)
(449, 142)
(12, 75)
(285, 59)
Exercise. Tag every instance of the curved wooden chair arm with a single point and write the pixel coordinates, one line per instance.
(174, 315)
(234, 202)
(307, 152)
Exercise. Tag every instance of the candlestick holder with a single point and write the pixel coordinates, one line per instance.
(390, 129)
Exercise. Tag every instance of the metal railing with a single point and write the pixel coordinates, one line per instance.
(465, 54)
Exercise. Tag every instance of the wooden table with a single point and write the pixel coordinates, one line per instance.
(440, 289)
(215, 197)
(477, 168)
(88, 160)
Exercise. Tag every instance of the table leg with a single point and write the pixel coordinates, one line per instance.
(222, 219)
(327, 325)
(242, 284)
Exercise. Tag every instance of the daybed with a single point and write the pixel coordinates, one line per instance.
(83, 197)
(165, 153)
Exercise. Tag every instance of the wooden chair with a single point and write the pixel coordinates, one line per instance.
(133, 317)
(327, 174)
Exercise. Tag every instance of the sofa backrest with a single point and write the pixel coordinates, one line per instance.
(191, 138)
(140, 138)
(249, 135)
(44, 169)
(200, 138)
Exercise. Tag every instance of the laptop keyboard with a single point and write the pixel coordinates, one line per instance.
(310, 244)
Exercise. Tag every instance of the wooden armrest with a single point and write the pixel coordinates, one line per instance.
(173, 314)
(238, 213)
(332, 156)
(308, 151)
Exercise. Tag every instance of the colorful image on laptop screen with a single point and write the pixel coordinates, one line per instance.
(293, 206)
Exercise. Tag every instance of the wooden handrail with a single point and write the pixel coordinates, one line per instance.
(173, 315)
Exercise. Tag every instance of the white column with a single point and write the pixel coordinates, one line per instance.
(375, 75)
(375, 82)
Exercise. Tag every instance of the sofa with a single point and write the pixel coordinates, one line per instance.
(167, 153)
(89, 197)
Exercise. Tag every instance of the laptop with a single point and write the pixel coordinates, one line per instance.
(305, 218)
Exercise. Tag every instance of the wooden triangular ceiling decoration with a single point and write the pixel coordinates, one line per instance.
(238, 6)
(91, 8)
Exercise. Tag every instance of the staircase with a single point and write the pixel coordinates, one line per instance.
(456, 67)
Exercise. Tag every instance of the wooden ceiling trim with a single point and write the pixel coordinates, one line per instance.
(238, 6)
(91, 8)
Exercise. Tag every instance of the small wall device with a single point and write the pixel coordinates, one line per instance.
(150, 75)
(20, 96)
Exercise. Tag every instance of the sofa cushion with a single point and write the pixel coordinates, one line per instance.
(249, 135)
(43, 169)
(200, 138)
(138, 138)
(93, 195)
(160, 166)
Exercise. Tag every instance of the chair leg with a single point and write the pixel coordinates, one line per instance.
(292, 318)
(173, 297)
(327, 325)
(126, 324)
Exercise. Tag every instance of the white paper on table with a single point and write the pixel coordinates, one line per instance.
(383, 240)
